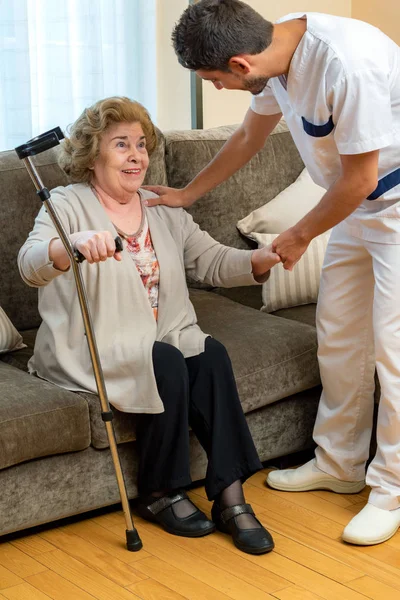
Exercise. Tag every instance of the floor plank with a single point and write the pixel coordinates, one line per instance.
(87, 553)
(32, 545)
(179, 581)
(24, 592)
(58, 588)
(18, 562)
(374, 589)
(106, 540)
(296, 593)
(152, 590)
(84, 577)
(8, 579)
(312, 559)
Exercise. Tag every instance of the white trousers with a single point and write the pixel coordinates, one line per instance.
(358, 324)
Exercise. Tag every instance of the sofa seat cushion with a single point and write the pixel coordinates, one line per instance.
(271, 357)
(124, 423)
(38, 418)
(302, 314)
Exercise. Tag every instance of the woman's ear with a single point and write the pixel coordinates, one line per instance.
(239, 65)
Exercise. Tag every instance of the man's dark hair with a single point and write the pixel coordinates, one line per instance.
(210, 32)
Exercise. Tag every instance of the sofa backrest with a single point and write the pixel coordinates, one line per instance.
(275, 167)
(19, 206)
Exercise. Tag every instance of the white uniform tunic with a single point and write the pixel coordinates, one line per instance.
(343, 97)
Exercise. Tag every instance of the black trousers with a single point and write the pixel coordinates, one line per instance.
(200, 392)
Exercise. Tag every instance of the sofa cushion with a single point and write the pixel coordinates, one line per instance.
(271, 357)
(124, 423)
(284, 211)
(302, 314)
(19, 207)
(38, 418)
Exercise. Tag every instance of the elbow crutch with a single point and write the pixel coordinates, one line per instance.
(35, 146)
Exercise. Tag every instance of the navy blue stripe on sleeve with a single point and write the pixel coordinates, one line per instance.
(318, 130)
(385, 184)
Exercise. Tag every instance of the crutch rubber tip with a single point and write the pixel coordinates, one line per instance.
(133, 541)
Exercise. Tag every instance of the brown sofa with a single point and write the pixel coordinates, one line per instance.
(54, 456)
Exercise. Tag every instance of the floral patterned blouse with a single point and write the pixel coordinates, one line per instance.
(140, 248)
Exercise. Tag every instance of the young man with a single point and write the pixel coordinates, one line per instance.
(337, 83)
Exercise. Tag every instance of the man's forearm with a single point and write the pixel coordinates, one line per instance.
(358, 180)
(336, 205)
(247, 140)
(234, 154)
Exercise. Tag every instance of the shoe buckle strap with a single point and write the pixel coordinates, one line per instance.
(235, 511)
(166, 501)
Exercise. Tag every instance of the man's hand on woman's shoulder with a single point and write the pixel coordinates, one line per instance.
(167, 196)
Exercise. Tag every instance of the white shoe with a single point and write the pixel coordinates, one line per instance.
(308, 477)
(372, 526)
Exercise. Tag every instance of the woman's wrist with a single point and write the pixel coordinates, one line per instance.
(262, 261)
(257, 266)
(58, 255)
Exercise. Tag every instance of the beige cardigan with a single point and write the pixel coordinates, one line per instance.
(123, 320)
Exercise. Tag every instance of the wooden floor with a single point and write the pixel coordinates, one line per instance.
(87, 559)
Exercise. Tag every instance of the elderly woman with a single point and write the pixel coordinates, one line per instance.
(156, 360)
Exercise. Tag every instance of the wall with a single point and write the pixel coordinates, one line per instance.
(173, 91)
(384, 14)
(226, 107)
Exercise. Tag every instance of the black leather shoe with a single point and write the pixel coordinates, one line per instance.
(161, 511)
(252, 541)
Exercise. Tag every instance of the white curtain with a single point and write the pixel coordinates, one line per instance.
(59, 56)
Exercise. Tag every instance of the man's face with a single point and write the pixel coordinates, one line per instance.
(234, 81)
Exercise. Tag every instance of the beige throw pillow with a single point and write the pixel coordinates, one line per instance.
(285, 288)
(286, 209)
(10, 339)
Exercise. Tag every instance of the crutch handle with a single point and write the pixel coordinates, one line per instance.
(118, 248)
(40, 143)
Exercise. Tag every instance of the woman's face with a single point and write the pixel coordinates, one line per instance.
(122, 163)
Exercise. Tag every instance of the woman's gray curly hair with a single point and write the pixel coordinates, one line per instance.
(79, 151)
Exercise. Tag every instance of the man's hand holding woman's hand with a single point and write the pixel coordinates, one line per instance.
(290, 245)
(96, 246)
(262, 260)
